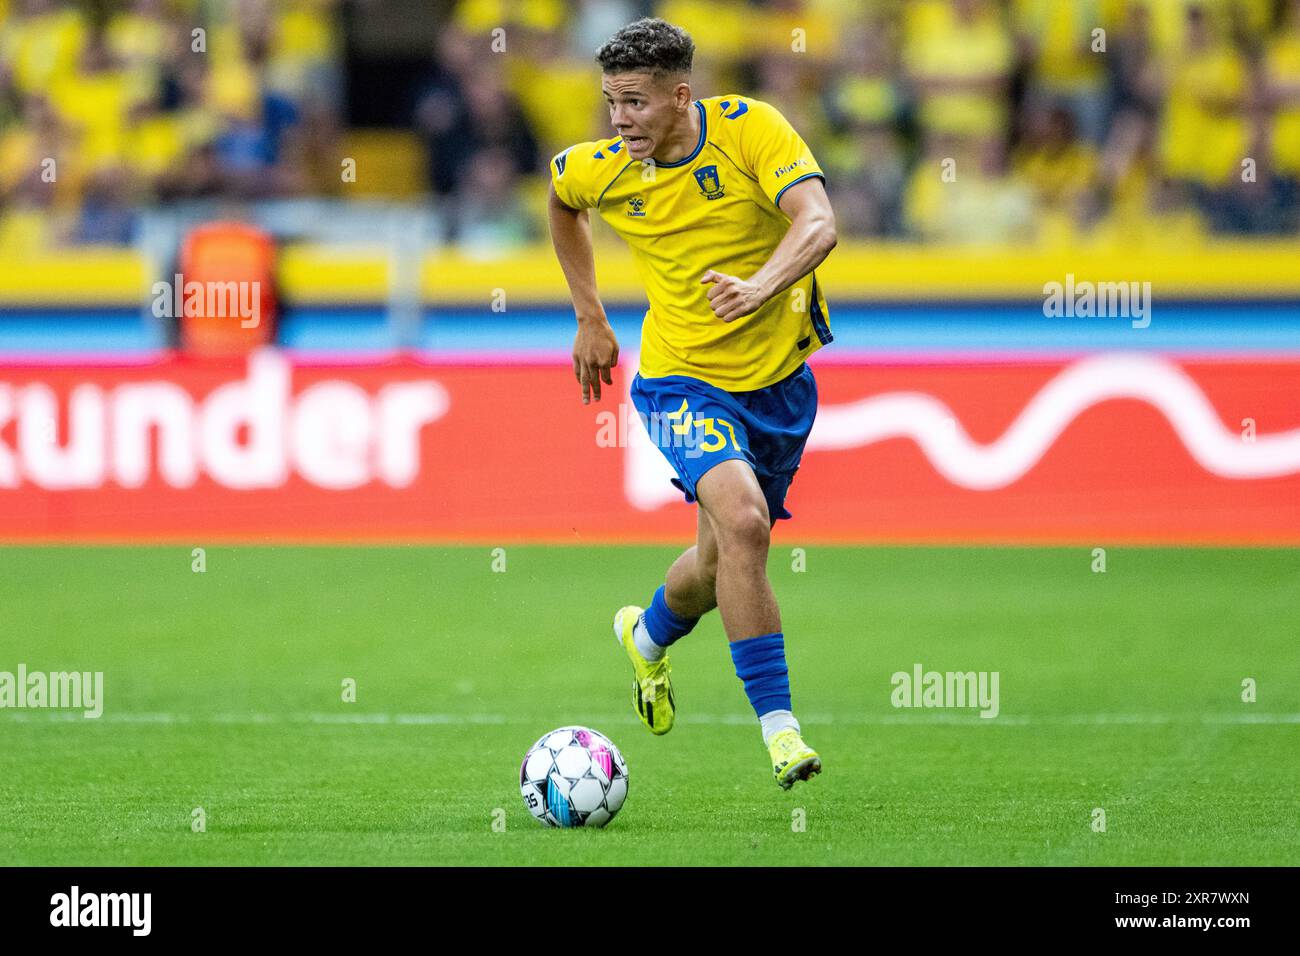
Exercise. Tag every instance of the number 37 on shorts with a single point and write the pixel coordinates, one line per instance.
(683, 423)
(697, 426)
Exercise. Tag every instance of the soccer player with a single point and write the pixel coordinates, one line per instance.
(726, 213)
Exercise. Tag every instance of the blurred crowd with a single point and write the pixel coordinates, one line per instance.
(950, 121)
(109, 107)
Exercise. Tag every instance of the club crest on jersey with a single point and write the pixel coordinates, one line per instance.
(636, 206)
(707, 177)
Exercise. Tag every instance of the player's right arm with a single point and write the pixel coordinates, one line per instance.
(595, 349)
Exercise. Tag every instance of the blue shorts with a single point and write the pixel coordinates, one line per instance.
(697, 425)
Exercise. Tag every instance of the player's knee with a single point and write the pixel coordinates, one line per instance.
(744, 527)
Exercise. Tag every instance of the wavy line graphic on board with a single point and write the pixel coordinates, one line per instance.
(935, 429)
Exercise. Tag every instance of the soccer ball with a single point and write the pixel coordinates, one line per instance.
(573, 777)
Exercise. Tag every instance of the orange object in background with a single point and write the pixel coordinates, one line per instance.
(226, 290)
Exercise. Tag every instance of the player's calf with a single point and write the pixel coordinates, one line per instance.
(691, 584)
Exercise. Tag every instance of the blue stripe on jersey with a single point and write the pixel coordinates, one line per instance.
(777, 200)
(613, 181)
(698, 146)
(818, 319)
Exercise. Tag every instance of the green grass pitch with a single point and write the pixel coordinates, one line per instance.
(1119, 690)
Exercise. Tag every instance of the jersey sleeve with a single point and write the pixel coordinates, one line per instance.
(570, 177)
(775, 153)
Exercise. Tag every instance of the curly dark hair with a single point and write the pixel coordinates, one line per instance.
(648, 45)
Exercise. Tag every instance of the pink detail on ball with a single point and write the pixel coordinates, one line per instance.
(600, 756)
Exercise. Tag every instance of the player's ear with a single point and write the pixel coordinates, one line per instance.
(682, 95)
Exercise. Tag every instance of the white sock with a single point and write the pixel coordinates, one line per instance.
(775, 721)
(641, 638)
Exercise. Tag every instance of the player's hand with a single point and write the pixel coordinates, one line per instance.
(731, 298)
(595, 352)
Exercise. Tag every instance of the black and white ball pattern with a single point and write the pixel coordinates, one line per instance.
(573, 777)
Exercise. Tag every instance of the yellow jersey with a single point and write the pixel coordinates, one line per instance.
(717, 208)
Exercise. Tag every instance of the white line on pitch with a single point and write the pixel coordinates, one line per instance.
(869, 720)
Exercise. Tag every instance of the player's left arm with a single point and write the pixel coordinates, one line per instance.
(806, 243)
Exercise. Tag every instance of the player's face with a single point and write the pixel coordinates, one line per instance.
(643, 110)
